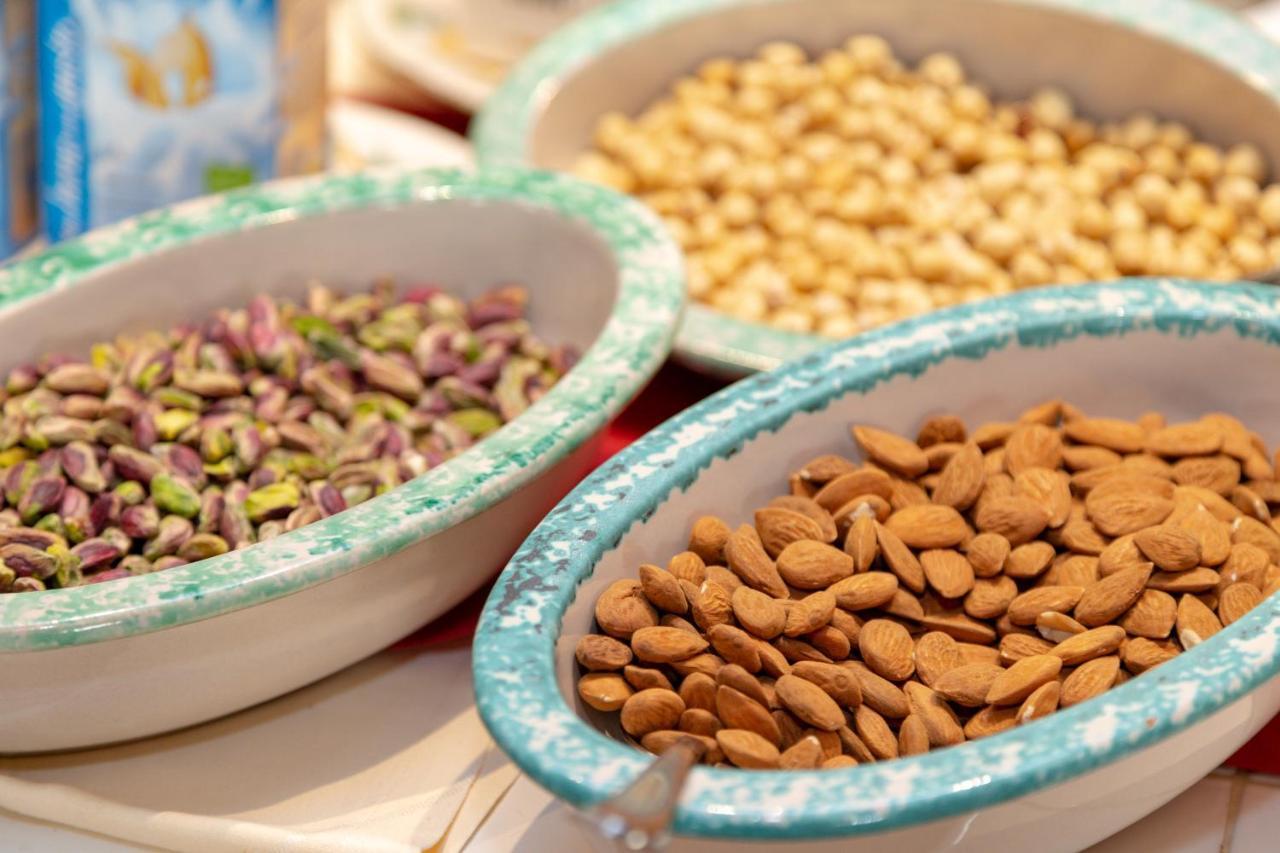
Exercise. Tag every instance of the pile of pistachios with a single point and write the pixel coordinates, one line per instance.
(163, 449)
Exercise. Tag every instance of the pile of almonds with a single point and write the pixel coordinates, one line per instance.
(942, 590)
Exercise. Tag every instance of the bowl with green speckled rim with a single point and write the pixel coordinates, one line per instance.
(134, 657)
(1059, 783)
(624, 56)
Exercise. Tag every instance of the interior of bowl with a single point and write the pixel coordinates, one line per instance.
(567, 242)
(1115, 350)
(1114, 58)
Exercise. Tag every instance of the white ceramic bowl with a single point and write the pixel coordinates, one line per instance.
(1179, 59)
(135, 657)
(1057, 784)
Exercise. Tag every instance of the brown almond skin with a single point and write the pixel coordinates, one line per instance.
(1106, 600)
(660, 741)
(987, 553)
(779, 527)
(936, 653)
(941, 724)
(604, 691)
(887, 648)
(708, 537)
(666, 645)
(804, 754)
(968, 685)
(865, 591)
(736, 710)
(846, 487)
(948, 572)
(879, 693)
(1024, 609)
(1088, 680)
(732, 675)
(699, 722)
(891, 451)
(809, 702)
(813, 565)
(651, 710)
(900, 560)
(928, 526)
(873, 731)
(1237, 600)
(747, 559)
(643, 677)
(698, 690)
(736, 646)
(1170, 548)
(748, 750)
(1094, 643)
(962, 479)
(622, 608)
(1019, 681)
(809, 613)
(758, 613)
(837, 682)
(598, 653)
(1152, 616)
(991, 720)
(1042, 702)
(913, 737)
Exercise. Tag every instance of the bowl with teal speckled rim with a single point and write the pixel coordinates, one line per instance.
(1060, 783)
(624, 56)
(135, 657)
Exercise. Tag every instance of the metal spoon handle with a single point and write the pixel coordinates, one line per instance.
(639, 818)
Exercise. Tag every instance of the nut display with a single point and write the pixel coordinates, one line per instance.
(834, 193)
(163, 449)
(941, 590)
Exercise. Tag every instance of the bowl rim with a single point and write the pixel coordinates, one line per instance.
(514, 658)
(629, 349)
(723, 344)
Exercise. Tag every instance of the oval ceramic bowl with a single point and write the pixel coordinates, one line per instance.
(1060, 783)
(624, 56)
(135, 657)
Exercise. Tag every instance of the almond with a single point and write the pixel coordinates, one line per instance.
(928, 526)
(1194, 581)
(736, 710)
(899, 559)
(1152, 616)
(846, 487)
(846, 623)
(1016, 517)
(904, 605)
(989, 721)
(1122, 553)
(1196, 623)
(1247, 563)
(810, 509)
(772, 661)
(597, 652)
(707, 539)
(779, 528)
(837, 682)
(1140, 654)
(810, 613)
(887, 649)
(1213, 534)
(1218, 474)
(1237, 600)
(1051, 489)
(958, 626)
(1029, 560)
(747, 749)
(1254, 532)
(865, 591)
(651, 710)
(809, 702)
(746, 557)
(879, 693)
(734, 645)
(974, 653)
(968, 685)
(1024, 609)
(1084, 458)
(875, 733)
(688, 566)
(758, 613)
(808, 564)
(1106, 600)
(644, 677)
(825, 468)
(948, 572)
(622, 608)
(732, 675)
(1086, 646)
(804, 754)
(1126, 505)
(798, 650)
(1088, 680)
(1081, 537)
(940, 722)
(992, 434)
(720, 576)
(987, 553)
(660, 741)
(1042, 702)
(1218, 506)
(1250, 503)
(1015, 647)
(831, 641)
(604, 691)
(705, 663)
(1189, 439)
(1056, 627)
(1019, 681)
(662, 589)
(936, 653)
(712, 606)
(1073, 570)
(913, 737)
(1032, 446)
(1170, 548)
(891, 451)
(939, 429)
(962, 479)
(1110, 433)
(860, 543)
(696, 721)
